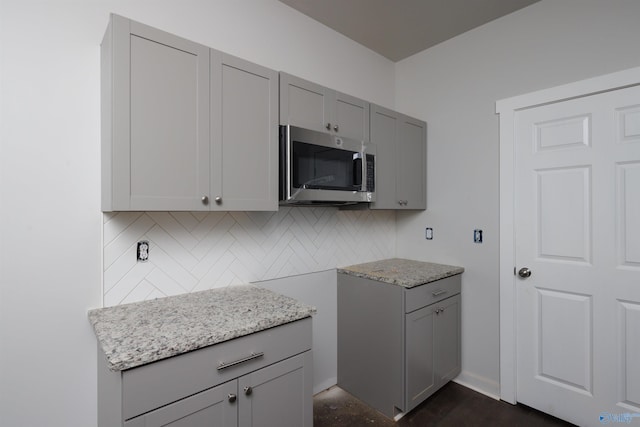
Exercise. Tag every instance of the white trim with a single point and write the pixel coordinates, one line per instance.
(507, 108)
(480, 384)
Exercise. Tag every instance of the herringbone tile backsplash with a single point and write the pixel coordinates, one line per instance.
(193, 251)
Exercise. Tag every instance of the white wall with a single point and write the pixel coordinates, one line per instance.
(454, 87)
(50, 221)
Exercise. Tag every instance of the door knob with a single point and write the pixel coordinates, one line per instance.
(524, 272)
(231, 397)
(218, 200)
(248, 390)
(336, 128)
(328, 126)
(205, 200)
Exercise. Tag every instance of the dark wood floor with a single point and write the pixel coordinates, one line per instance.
(453, 405)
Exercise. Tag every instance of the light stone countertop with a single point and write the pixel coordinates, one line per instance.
(402, 272)
(135, 334)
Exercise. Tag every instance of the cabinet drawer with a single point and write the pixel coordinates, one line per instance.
(154, 385)
(423, 295)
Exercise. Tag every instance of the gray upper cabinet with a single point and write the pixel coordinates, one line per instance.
(155, 119)
(244, 126)
(171, 109)
(308, 105)
(401, 160)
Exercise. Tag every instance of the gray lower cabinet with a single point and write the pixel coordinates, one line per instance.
(308, 105)
(184, 127)
(432, 339)
(262, 379)
(208, 408)
(397, 346)
(401, 161)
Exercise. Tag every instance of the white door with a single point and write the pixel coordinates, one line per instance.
(577, 213)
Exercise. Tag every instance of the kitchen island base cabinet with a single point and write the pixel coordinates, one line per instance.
(262, 379)
(397, 345)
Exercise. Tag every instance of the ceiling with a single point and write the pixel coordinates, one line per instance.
(398, 29)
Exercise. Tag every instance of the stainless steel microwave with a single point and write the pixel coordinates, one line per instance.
(318, 168)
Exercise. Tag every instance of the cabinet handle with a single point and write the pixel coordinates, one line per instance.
(248, 391)
(439, 310)
(438, 292)
(218, 200)
(231, 397)
(336, 128)
(225, 365)
(205, 200)
(328, 126)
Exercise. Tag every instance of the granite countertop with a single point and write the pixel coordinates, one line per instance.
(136, 334)
(402, 272)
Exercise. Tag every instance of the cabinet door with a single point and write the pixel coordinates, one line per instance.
(446, 340)
(244, 117)
(158, 106)
(278, 395)
(216, 407)
(420, 380)
(384, 134)
(304, 104)
(350, 117)
(411, 163)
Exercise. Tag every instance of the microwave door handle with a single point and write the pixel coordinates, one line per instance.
(357, 170)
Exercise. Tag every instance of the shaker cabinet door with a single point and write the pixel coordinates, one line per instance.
(216, 407)
(384, 130)
(419, 347)
(155, 119)
(350, 117)
(411, 163)
(244, 98)
(446, 341)
(401, 161)
(304, 104)
(278, 395)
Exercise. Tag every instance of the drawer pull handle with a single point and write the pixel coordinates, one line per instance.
(438, 292)
(225, 365)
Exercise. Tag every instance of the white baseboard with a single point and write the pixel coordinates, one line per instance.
(482, 385)
(328, 383)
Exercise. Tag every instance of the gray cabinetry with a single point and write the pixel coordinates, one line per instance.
(155, 119)
(244, 140)
(308, 105)
(401, 143)
(397, 345)
(171, 108)
(214, 407)
(432, 335)
(262, 379)
(276, 395)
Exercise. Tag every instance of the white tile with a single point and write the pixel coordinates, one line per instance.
(194, 251)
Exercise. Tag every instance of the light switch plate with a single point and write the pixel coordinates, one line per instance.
(428, 233)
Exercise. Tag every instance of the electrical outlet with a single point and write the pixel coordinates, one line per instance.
(428, 233)
(143, 251)
(477, 236)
